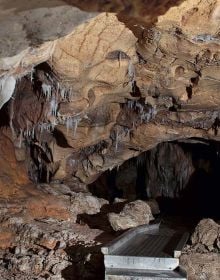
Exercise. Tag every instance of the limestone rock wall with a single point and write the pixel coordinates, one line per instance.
(107, 91)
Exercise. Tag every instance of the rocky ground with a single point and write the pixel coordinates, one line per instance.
(67, 245)
(58, 236)
(38, 248)
(201, 259)
(55, 231)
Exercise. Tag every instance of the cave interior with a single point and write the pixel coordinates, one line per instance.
(182, 176)
(109, 120)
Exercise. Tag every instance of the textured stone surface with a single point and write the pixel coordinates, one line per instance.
(134, 214)
(111, 93)
(39, 226)
(39, 249)
(110, 87)
(12, 173)
(82, 203)
(201, 258)
(201, 266)
(207, 233)
(31, 23)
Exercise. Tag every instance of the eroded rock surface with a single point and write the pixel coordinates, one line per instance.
(201, 258)
(93, 90)
(134, 214)
(39, 250)
(104, 93)
(207, 233)
(27, 25)
(39, 226)
(201, 266)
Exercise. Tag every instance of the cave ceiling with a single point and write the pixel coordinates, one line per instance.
(90, 84)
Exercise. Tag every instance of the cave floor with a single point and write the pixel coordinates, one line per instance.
(39, 239)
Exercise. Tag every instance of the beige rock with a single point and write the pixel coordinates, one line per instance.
(201, 266)
(200, 259)
(206, 233)
(133, 214)
(170, 64)
(86, 203)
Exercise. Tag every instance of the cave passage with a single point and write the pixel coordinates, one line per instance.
(183, 177)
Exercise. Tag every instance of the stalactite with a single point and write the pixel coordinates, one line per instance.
(65, 93)
(76, 122)
(11, 114)
(32, 74)
(47, 91)
(45, 127)
(116, 140)
(69, 124)
(72, 123)
(131, 73)
(20, 138)
(141, 159)
(53, 106)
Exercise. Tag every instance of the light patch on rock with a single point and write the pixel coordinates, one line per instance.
(86, 203)
(7, 87)
(207, 233)
(133, 214)
(201, 258)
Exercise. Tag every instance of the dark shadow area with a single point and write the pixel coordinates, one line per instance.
(200, 197)
(4, 115)
(100, 221)
(135, 90)
(183, 177)
(87, 263)
(40, 157)
(60, 138)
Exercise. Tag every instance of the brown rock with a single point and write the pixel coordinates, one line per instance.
(154, 206)
(48, 243)
(12, 173)
(6, 238)
(48, 207)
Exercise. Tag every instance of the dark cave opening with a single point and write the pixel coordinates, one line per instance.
(4, 115)
(182, 176)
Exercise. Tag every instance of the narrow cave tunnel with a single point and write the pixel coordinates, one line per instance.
(182, 176)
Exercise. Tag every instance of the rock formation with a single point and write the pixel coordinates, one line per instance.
(134, 214)
(85, 86)
(201, 259)
(103, 94)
